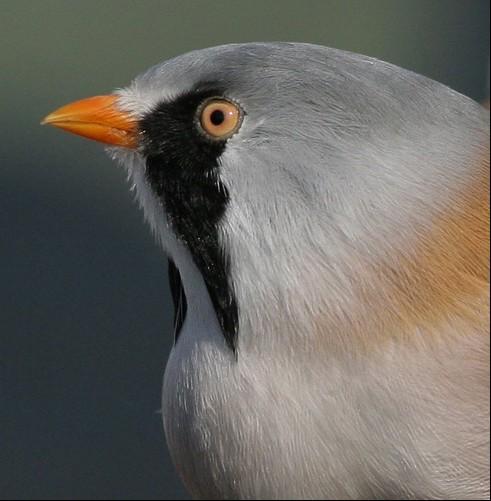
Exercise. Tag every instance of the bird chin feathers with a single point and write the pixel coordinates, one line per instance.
(149, 203)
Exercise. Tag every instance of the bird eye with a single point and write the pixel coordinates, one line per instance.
(220, 118)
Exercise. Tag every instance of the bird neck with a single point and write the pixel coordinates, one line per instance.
(421, 284)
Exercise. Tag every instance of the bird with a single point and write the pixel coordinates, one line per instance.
(325, 216)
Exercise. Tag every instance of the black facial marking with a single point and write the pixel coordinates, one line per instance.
(183, 169)
(178, 298)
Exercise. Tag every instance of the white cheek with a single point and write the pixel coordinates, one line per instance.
(152, 207)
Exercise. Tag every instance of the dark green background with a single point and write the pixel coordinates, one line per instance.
(85, 310)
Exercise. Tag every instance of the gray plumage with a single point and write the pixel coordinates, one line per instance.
(354, 377)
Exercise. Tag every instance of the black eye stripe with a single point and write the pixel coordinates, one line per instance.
(183, 170)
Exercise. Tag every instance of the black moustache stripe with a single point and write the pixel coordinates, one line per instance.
(183, 170)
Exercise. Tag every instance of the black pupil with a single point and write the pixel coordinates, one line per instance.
(217, 117)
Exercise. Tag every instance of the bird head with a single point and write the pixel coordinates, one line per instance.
(308, 186)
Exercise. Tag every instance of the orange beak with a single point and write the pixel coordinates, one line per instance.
(97, 118)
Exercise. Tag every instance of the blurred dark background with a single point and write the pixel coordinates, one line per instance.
(84, 305)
